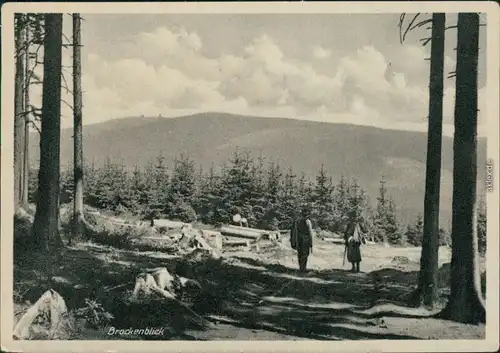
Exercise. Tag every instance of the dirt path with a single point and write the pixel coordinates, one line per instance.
(259, 296)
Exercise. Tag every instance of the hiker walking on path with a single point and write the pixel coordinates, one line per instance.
(353, 237)
(301, 238)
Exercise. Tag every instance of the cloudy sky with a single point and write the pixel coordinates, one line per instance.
(329, 67)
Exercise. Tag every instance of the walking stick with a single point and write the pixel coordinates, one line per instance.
(345, 252)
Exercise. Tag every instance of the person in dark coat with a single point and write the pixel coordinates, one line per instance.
(353, 238)
(301, 239)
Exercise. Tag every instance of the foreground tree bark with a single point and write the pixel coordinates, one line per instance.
(427, 281)
(19, 119)
(465, 303)
(46, 223)
(78, 218)
(26, 166)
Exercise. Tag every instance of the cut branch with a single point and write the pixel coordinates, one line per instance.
(410, 25)
(35, 126)
(400, 26)
(425, 41)
(420, 24)
(67, 104)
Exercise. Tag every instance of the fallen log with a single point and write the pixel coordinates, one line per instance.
(262, 233)
(219, 241)
(210, 233)
(240, 232)
(166, 223)
(256, 230)
(238, 242)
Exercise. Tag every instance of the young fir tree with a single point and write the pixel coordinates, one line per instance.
(342, 204)
(209, 197)
(303, 191)
(289, 201)
(356, 202)
(237, 184)
(391, 225)
(182, 191)
(199, 180)
(258, 200)
(157, 188)
(414, 232)
(309, 198)
(90, 183)
(323, 201)
(379, 219)
(366, 209)
(67, 184)
(273, 196)
(110, 184)
(133, 195)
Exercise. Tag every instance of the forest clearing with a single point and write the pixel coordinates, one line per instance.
(234, 223)
(245, 294)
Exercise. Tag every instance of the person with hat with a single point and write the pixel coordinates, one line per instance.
(301, 237)
(353, 238)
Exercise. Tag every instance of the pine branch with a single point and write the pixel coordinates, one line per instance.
(400, 26)
(33, 111)
(67, 104)
(66, 37)
(420, 24)
(65, 84)
(23, 48)
(36, 112)
(425, 41)
(410, 25)
(35, 126)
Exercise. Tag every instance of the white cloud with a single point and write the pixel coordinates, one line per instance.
(321, 53)
(166, 72)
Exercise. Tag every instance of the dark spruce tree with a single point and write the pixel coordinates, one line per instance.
(465, 303)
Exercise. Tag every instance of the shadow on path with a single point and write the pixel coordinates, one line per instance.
(243, 292)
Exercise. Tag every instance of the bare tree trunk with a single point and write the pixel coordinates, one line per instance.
(465, 303)
(78, 217)
(26, 167)
(19, 110)
(46, 223)
(427, 281)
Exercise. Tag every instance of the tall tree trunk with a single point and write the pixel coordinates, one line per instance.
(19, 110)
(26, 167)
(78, 133)
(45, 227)
(465, 303)
(427, 281)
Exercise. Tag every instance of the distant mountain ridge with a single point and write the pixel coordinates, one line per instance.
(367, 153)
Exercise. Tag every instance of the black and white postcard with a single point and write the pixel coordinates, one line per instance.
(250, 176)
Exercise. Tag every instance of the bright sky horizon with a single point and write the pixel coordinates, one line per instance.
(339, 68)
